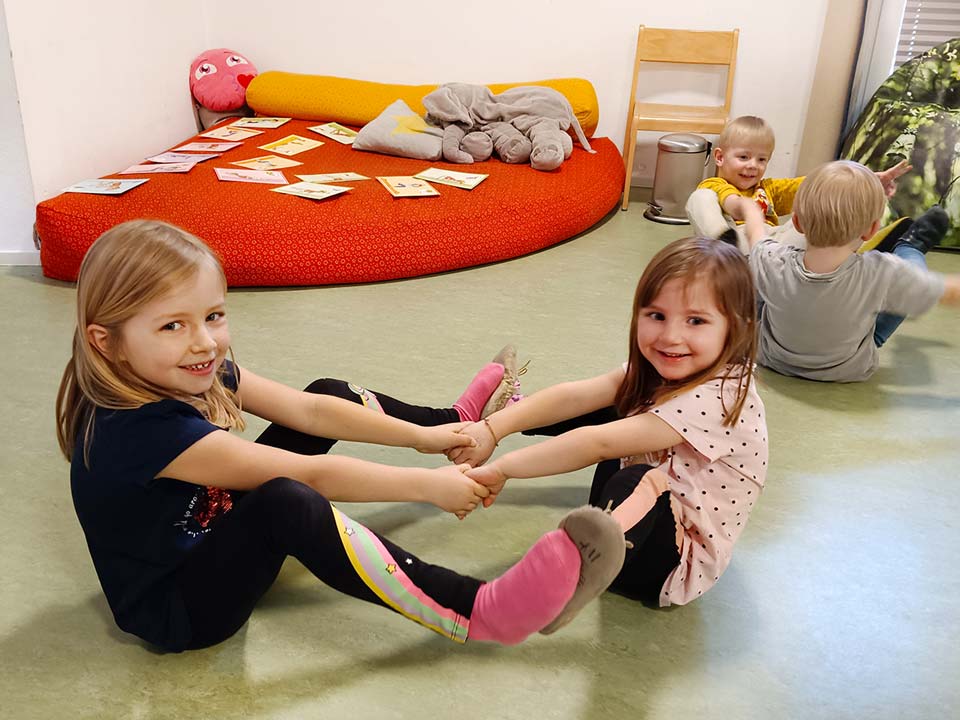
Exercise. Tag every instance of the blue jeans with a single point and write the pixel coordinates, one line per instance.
(887, 323)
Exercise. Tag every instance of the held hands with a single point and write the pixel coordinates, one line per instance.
(888, 178)
(492, 478)
(450, 489)
(446, 439)
(477, 453)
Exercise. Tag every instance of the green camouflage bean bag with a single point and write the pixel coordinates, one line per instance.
(915, 115)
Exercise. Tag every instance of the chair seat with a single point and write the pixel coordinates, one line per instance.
(679, 118)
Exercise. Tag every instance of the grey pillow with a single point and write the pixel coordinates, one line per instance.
(398, 130)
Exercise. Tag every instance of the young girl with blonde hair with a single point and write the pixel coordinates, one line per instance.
(678, 431)
(188, 524)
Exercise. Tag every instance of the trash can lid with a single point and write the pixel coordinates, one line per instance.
(682, 143)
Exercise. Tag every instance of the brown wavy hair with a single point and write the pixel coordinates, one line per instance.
(128, 267)
(726, 271)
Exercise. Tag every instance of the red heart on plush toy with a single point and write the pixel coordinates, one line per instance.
(219, 79)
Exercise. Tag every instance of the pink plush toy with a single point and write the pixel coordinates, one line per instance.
(218, 83)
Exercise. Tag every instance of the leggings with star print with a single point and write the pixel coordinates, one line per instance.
(224, 577)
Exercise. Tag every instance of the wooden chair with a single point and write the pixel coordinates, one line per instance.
(690, 47)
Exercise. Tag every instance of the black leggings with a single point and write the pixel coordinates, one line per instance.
(283, 437)
(654, 554)
(226, 574)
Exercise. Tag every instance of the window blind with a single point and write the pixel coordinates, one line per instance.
(925, 24)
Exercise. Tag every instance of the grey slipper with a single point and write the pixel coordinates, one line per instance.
(599, 538)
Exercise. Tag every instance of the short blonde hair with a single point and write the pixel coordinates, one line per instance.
(838, 202)
(746, 130)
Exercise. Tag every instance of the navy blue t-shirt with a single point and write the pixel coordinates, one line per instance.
(140, 527)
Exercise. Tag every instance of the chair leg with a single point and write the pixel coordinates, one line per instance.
(629, 148)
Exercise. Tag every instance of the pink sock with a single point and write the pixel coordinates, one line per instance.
(471, 403)
(530, 594)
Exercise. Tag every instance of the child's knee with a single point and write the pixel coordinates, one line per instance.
(327, 386)
(284, 496)
(621, 485)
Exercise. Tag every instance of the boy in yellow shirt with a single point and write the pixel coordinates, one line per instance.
(741, 154)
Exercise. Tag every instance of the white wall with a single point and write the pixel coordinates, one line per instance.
(16, 193)
(103, 84)
(514, 41)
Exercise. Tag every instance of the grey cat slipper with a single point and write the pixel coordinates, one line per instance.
(599, 538)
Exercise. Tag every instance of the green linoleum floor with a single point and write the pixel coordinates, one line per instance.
(841, 601)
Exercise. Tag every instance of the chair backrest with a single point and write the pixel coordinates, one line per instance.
(691, 47)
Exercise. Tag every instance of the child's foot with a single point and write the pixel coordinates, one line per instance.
(509, 388)
(481, 389)
(599, 538)
(530, 594)
(927, 230)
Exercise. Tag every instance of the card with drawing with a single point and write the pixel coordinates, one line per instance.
(262, 123)
(401, 186)
(335, 131)
(231, 133)
(104, 186)
(171, 167)
(267, 177)
(208, 147)
(333, 177)
(291, 145)
(175, 157)
(314, 191)
(467, 181)
(267, 162)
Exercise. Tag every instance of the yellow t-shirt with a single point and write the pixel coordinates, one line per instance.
(773, 195)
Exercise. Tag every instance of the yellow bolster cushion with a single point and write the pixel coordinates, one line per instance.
(357, 102)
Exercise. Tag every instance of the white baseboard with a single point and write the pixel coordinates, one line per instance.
(25, 257)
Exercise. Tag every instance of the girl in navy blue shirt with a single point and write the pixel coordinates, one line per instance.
(188, 524)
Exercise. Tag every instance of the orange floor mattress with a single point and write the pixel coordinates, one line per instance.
(271, 239)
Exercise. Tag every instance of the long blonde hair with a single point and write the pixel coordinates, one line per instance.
(725, 269)
(128, 267)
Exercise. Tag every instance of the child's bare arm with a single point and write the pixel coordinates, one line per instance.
(951, 290)
(578, 449)
(755, 225)
(548, 406)
(888, 177)
(736, 206)
(339, 419)
(222, 459)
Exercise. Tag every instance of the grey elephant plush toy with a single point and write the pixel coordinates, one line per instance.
(523, 123)
(461, 146)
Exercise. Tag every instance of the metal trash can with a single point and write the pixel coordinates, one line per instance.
(681, 159)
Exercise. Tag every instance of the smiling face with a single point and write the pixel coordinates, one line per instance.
(682, 331)
(179, 340)
(743, 164)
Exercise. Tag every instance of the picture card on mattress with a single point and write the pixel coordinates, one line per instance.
(267, 162)
(333, 177)
(267, 177)
(335, 131)
(264, 123)
(214, 147)
(176, 157)
(313, 191)
(104, 187)
(177, 167)
(291, 145)
(398, 130)
(231, 133)
(402, 186)
(466, 181)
